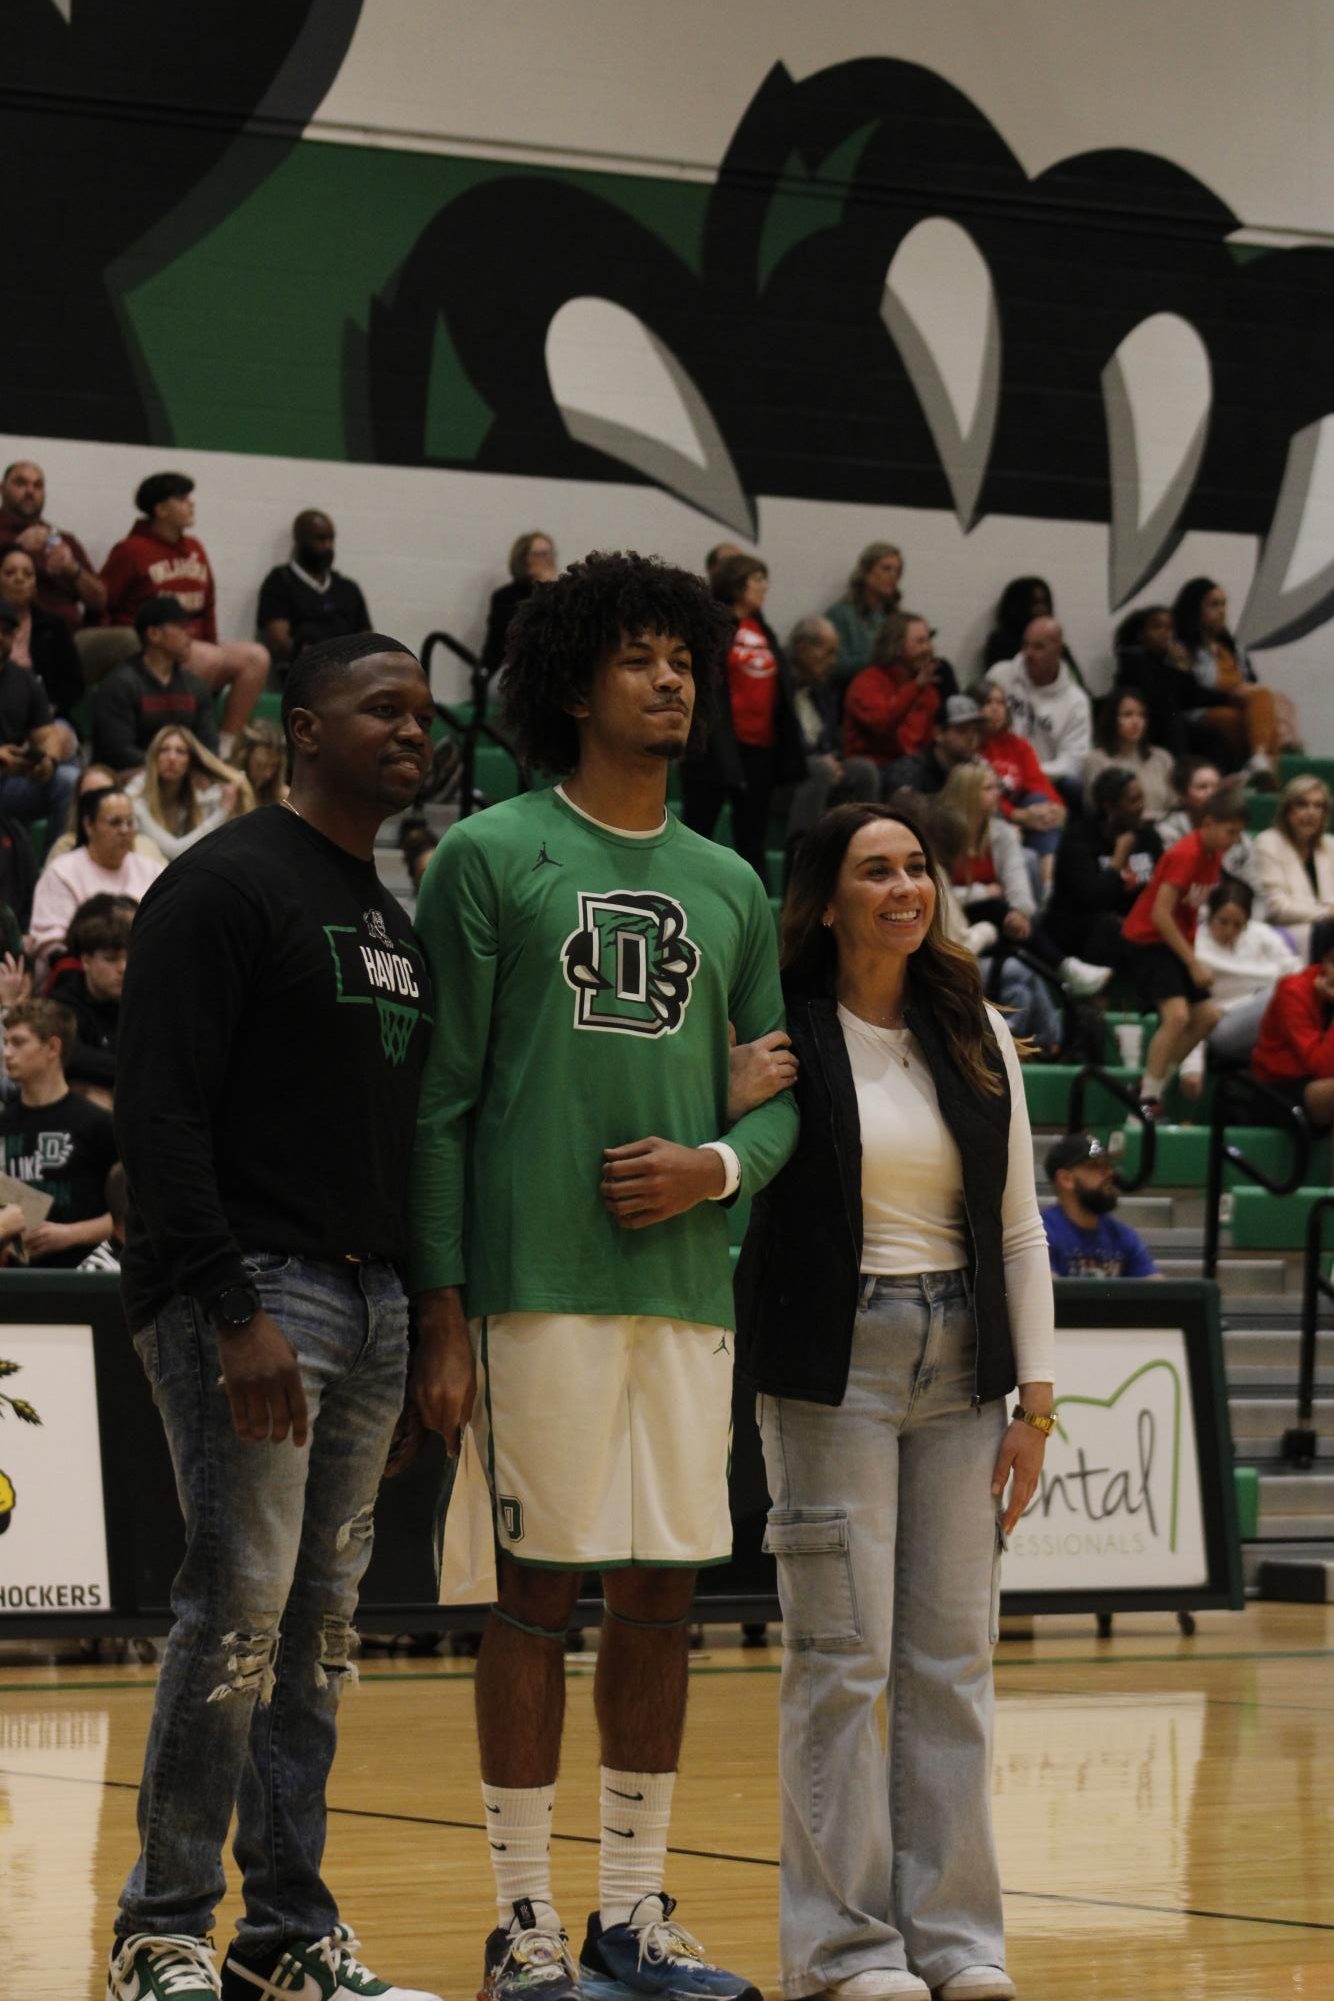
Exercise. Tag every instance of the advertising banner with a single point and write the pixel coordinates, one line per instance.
(53, 1543)
(1119, 1504)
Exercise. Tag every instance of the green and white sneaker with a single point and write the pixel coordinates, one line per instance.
(169, 1966)
(322, 1969)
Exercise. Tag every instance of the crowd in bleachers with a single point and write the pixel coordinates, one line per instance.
(113, 761)
(1081, 842)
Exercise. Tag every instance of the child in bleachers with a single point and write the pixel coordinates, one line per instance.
(1028, 799)
(1158, 940)
(1034, 1015)
(1193, 779)
(52, 1139)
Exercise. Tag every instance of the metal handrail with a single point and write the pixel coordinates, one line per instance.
(1301, 1441)
(1125, 1094)
(1289, 1118)
(469, 728)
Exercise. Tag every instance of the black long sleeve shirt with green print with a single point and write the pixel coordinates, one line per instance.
(272, 1036)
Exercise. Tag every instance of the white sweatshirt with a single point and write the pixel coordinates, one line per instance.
(1253, 965)
(1057, 720)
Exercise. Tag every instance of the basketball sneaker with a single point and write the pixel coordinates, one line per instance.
(652, 1956)
(526, 1962)
(322, 1969)
(148, 1966)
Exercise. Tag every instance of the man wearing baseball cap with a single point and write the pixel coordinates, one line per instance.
(955, 739)
(1084, 1238)
(153, 689)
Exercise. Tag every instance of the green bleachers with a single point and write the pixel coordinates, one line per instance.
(1047, 1090)
(1260, 810)
(1246, 1484)
(1296, 764)
(1182, 1155)
(1264, 1222)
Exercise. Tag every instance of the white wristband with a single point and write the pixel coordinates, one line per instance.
(731, 1167)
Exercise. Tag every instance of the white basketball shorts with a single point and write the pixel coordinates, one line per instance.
(607, 1441)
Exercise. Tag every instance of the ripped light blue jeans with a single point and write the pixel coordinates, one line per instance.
(277, 1541)
(888, 1549)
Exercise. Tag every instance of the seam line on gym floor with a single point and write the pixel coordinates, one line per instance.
(719, 1855)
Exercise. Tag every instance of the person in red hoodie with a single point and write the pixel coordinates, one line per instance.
(1294, 1051)
(160, 558)
(1028, 798)
(891, 707)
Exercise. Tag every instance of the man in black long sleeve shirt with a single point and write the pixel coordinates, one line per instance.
(274, 1023)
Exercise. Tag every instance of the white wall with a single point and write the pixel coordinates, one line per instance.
(428, 547)
(1236, 93)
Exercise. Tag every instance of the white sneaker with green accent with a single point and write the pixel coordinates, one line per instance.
(162, 1967)
(322, 1969)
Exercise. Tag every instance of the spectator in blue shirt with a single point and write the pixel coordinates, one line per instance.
(1084, 1238)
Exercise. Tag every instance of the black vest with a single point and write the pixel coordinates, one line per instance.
(797, 1281)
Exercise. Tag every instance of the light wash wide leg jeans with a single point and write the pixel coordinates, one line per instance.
(888, 1549)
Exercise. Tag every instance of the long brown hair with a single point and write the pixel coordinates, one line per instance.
(262, 733)
(189, 813)
(962, 791)
(855, 593)
(942, 977)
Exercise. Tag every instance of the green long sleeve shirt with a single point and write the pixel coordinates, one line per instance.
(585, 981)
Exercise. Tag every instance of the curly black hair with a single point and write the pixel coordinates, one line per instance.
(559, 635)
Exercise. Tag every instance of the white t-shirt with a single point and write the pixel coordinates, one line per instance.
(912, 1183)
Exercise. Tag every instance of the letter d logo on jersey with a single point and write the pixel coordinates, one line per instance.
(630, 963)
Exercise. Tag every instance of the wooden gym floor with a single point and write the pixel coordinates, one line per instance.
(1165, 1810)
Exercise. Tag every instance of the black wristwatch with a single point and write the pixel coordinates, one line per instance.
(234, 1306)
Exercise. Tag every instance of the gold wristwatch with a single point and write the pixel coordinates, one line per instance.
(1046, 1425)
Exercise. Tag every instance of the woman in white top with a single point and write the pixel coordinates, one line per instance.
(1122, 738)
(184, 791)
(1295, 860)
(1247, 961)
(893, 1287)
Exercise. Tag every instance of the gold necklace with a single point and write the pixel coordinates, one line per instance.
(292, 809)
(892, 1027)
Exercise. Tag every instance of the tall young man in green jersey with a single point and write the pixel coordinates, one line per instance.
(571, 1160)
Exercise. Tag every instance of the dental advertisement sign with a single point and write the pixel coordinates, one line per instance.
(1119, 1505)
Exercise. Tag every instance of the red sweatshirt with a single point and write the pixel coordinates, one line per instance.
(56, 595)
(888, 713)
(1015, 763)
(1296, 1037)
(143, 566)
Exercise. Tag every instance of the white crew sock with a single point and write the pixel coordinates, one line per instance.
(635, 1809)
(1151, 1086)
(518, 1826)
